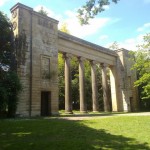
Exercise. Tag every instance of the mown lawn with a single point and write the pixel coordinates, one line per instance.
(112, 133)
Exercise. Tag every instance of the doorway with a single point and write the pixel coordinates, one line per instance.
(45, 103)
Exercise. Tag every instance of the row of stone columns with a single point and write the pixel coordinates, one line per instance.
(83, 105)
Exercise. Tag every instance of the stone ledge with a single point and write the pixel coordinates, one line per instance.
(34, 12)
(77, 40)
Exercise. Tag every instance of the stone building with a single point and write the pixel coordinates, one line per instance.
(38, 43)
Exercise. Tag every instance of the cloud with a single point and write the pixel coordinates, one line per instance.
(2, 2)
(73, 25)
(106, 7)
(50, 12)
(82, 31)
(146, 26)
(130, 44)
(103, 37)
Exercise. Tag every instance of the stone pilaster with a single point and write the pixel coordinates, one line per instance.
(94, 87)
(114, 88)
(83, 105)
(68, 101)
(105, 88)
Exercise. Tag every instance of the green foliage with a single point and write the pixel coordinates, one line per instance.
(6, 43)
(142, 65)
(9, 82)
(91, 9)
(43, 12)
(64, 28)
(10, 86)
(75, 83)
(114, 46)
(61, 81)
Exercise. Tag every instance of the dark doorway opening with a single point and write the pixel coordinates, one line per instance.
(45, 103)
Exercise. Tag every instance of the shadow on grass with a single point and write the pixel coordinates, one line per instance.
(57, 134)
(90, 115)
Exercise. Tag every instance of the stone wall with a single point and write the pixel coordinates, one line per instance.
(36, 76)
(127, 77)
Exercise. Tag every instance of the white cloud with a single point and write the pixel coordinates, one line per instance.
(73, 25)
(103, 37)
(81, 31)
(106, 7)
(146, 26)
(50, 12)
(2, 2)
(131, 43)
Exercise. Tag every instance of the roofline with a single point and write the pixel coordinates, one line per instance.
(77, 40)
(34, 12)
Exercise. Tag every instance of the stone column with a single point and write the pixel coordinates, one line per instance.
(114, 88)
(83, 105)
(105, 88)
(94, 87)
(68, 101)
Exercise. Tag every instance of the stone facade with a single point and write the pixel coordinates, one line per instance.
(39, 72)
(38, 43)
(127, 77)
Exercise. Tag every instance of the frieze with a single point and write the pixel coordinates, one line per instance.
(45, 23)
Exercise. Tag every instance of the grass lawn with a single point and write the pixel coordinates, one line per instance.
(112, 133)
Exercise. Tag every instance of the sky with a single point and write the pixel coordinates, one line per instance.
(125, 22)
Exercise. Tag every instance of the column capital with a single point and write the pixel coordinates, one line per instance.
(104, 65)
(67, 55)
(93, 62)
(81, 58)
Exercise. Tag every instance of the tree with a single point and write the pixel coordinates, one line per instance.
(114, 46)
(91, 9)
(142, 65)
(43, 12)
(9, 82)
(64, 28)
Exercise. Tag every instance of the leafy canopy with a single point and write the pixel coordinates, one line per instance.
(142, 65)
(9, 82)
(43, 12)
(91, 9)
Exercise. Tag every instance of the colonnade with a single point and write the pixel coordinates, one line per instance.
(83, 105)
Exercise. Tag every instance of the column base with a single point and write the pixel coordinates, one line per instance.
(83, 112)
(95, 111)
(69, 112)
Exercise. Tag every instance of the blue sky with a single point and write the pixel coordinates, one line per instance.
(125, 22)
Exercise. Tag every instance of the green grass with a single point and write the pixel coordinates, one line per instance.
(112, 133)
(77, 112)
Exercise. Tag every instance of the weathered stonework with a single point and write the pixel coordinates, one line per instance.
(39, 42)
(127, 77)
(41, 38)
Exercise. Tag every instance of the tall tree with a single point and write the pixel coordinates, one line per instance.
(114, 46)
(91, 9)
(9, 81)
(64, 28)
(142, 65)
(43, 12)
